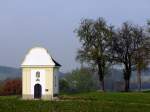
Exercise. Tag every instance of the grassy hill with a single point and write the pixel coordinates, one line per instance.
(83, 102)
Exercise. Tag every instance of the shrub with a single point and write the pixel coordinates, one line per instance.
(11, 87)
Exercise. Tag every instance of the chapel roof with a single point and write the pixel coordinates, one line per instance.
(39, 56)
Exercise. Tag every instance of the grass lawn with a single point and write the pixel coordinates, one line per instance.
(83, 102)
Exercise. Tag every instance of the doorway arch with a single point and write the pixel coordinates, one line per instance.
(37, 91)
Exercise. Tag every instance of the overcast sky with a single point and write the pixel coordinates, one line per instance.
(50, 23)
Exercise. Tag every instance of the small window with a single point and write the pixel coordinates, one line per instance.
(37, 74)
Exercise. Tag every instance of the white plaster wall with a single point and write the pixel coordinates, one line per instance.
(41, 82)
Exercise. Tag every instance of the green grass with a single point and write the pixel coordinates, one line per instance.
(83, 102)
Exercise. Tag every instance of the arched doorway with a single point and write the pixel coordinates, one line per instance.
(37, 91)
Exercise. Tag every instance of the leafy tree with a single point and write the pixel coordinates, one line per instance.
(141, 64)
(147, 43)
(126, 41)
(140, 54)
(94, 37)
(63, 85)
(81, 80)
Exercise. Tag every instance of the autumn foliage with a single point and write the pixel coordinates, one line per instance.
(11, 87)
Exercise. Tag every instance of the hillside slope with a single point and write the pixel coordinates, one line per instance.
(9, 72)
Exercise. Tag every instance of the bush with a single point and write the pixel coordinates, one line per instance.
(79, 80)
(63, 85)
(11, 87)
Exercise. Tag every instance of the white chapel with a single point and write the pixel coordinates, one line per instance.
(39, 75)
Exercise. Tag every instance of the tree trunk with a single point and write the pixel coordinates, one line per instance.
(127, 74)
(127, 83)
(102, 85)
(139, 80)
(101, 77)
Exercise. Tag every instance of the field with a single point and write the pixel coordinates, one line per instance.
(83, 102)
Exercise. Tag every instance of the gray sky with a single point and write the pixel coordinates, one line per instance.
(50, 23)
